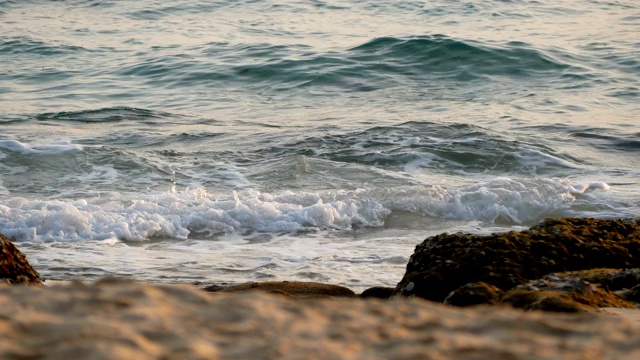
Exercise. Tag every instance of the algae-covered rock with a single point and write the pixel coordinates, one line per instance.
(612, 279)
(563, 294)
(14, 267)
(474, 294)
(445, 262)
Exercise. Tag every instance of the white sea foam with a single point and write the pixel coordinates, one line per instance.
(56, 147)
(537, 159)
(177, 214)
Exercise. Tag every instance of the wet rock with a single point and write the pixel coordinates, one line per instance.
(632, 294)
(544, 301)
(612, 279)
(445, 262)
(595, 276)
(14, 267)
(379, 292)
(474, 294)
(622, 279)
(213, 288)
(296, 289)
(552, 293)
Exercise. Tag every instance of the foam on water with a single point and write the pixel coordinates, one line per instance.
(358, 263)
(198, 213)
(58, 147)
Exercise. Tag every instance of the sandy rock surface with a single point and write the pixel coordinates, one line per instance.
(125, 320)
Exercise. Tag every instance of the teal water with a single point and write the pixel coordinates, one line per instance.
(239, 140)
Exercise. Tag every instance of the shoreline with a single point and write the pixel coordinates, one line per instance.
(118, 318)
(115, 319)
(632, 315)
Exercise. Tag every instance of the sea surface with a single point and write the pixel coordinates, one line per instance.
(246, 140)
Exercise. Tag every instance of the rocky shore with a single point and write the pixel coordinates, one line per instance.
(560, 266)
(564, 264)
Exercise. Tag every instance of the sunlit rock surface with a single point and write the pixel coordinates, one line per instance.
(567, 294)
(445, 262)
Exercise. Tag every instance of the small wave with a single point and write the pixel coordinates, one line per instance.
(428, 146)
(161, 12)
(379, 63)
(104, 115)
(26, 45)
(196, 212)
(49, 149)
(606, 139)
(440, 54)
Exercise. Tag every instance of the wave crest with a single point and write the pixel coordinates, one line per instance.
(196, 212)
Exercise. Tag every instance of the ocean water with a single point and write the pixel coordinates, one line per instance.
(229, 141)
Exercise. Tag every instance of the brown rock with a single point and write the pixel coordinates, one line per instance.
(14, 267)
(543, 300)
(444, 262)
(595, 276)
(297, 289)
(612, 279)
(474, 294)
(622, 279)
(552, 293)
(379, 292)
(632, 294)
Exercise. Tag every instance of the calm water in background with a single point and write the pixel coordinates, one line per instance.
(306, 140)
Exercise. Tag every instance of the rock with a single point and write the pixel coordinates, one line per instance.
(612, 279)
(632, 294)
(474, 294)
(14, 267)
(213, 288)
(552, 293)
(445, 262)
(625, 283)
(543, 300)
(622, 279)
(296, 289)
(379, 292)
(595, 276)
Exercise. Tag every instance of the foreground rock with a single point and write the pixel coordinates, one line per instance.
(612, 279)
(123, 320)
(474, 294)
(379, 292)
(446, 262)
(14, 267)
(298, 289)
(568, 294)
